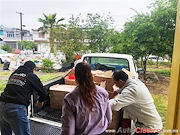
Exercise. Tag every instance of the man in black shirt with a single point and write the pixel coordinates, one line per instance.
(16, 98)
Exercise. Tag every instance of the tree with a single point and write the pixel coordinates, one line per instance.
(139, 38)
(49, 23)
(98, 31)
(28, 45)
(6, 48)
(164, 16)
(71, 39)
(149, 33)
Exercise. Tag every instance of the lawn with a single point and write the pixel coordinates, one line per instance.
(161, 103)
(44, 77)
(165, 71)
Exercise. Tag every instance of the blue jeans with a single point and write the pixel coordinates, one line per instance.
(13, 118)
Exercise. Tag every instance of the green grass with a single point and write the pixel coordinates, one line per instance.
(5, 73)
(3, 81)
(43, 77)
(161, 101)
(161, 106)
(165, 72)
(152, 63)
(47, 76)
(160, 63)
(2, 84)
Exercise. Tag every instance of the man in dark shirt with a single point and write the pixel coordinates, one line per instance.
(16, 98)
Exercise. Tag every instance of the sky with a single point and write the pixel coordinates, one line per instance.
(120, 10)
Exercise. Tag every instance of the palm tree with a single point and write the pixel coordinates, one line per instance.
(49, 23)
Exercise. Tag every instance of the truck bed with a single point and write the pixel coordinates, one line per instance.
(49, 114)
(38, 128)
(45, 121)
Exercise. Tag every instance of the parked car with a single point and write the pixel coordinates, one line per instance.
(5, 56)
(154, 58)
(16, 51)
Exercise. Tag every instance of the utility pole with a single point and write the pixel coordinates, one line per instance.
(21, 26)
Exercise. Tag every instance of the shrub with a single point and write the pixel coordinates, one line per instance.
(6, 48)
(150, 62)
(47, 65)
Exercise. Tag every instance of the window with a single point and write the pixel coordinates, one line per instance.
(41, 36)
(1, 32)
(107, 63)
(10, 34)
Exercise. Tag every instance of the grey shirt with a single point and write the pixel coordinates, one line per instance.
(137, 101)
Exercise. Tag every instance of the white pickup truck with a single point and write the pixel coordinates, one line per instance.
(111, 61)
(47, 121)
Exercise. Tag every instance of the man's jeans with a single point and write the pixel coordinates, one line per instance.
(13, 117)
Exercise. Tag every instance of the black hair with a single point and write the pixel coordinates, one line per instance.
(120, 75)
(31, 65)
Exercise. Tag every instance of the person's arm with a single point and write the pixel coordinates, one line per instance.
(127, 97)
(67, 119)
(38, 86)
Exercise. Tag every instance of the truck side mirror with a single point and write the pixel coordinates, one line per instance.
(140, 71)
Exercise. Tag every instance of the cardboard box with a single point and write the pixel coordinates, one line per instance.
(115, 124)
(98, 79)
(108, 84)
(130, 75)
(110, 90)
(100, 76)
(97, 76)
(57, 94)
(97, 72)
(70, 72)
(70, 81)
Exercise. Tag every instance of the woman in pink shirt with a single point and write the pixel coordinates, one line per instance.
(86, 109)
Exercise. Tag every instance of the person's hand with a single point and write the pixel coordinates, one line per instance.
(39, 104)
(117, 95)
(115, 92)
